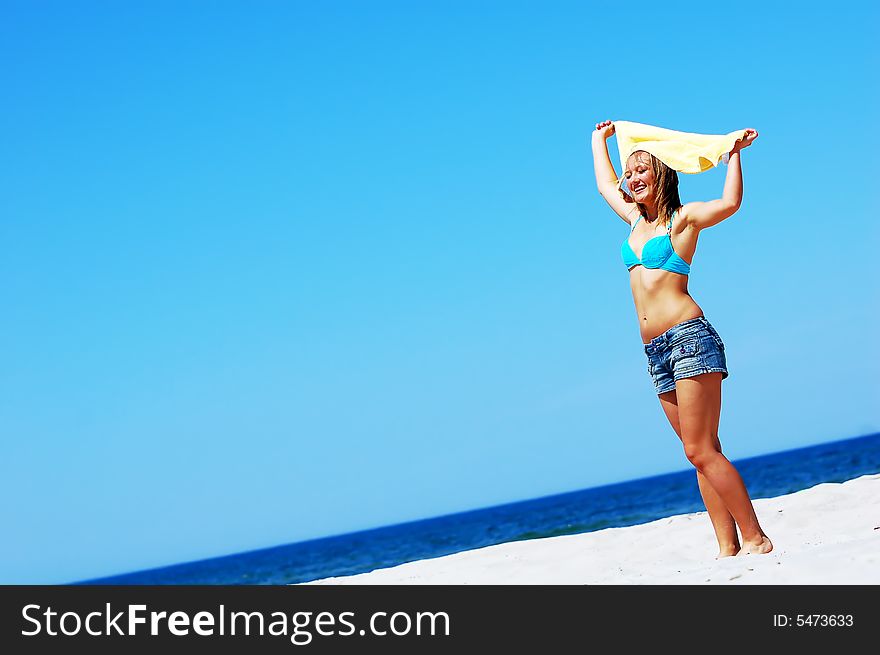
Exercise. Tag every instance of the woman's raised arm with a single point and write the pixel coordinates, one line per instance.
(706, 214)
(606, 178)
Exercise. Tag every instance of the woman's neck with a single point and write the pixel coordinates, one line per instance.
(650, 212)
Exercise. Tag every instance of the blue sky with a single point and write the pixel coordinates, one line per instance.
(274, 270)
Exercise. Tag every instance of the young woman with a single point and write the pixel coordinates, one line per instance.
(685, 354)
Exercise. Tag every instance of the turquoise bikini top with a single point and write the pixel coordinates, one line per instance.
(657, 253)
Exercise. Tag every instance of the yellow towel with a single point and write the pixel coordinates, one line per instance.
(684, 152)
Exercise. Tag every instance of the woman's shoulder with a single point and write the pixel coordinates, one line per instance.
(634, 218)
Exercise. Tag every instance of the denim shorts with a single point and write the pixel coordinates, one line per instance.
(683, 351)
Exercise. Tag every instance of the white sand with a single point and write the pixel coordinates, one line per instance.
(828, 534)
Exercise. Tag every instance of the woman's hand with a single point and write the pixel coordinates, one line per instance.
(746, 140)
(604, 129)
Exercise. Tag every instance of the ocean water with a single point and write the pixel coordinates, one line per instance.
(616, 505)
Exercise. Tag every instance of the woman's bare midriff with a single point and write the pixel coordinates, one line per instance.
(662, 300)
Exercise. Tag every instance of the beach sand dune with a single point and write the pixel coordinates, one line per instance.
(828, 534)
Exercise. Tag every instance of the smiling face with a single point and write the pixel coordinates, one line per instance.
(640, 177)
(652, 185)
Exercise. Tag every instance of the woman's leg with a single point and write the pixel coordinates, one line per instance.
(722, 520)
(699, 410)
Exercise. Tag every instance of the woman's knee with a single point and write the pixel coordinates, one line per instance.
(701, 454)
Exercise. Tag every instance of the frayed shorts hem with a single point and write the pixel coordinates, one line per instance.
(692, 374)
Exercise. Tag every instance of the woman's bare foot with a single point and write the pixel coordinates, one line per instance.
(727, 552)
(753, 548)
